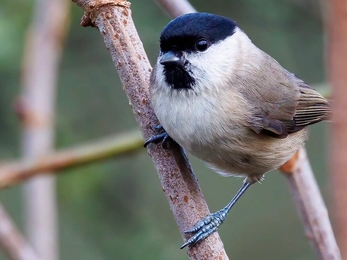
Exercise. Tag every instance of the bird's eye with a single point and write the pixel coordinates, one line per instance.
(202, 45)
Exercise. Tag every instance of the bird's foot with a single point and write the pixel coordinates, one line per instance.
(205, 227)
(162, 138)
(211, 223)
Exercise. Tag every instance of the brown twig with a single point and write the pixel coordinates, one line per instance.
(12, 242)
(310, 205)
(177, 7)
(15, 172)
(113, 19)
(36, 109)
(336, 29)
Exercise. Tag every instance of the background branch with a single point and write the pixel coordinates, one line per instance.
(310, 206)
(36, 109)
(13, 173)
(176, 8)
(336, 29)
(12, 242)
(178, 182)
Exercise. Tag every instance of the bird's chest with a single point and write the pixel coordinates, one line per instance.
(186, 120)
(197, 122)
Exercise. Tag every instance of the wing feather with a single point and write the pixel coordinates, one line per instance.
(283, 103)
(312, 108)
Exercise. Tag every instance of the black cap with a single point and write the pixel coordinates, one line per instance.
(183, 32)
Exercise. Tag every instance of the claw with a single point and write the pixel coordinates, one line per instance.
(185, 244)
(164, 138)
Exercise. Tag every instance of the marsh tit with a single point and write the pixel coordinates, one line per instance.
(228, 103)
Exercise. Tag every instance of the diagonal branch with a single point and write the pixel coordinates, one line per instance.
(310, 206)
(12, 242)
(113, 19)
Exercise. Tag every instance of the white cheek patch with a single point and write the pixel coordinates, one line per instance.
(218, 64)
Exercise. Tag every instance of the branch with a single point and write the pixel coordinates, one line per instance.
(176, 8)
(12, 241)
(42, 54)
(336, 63)
(113, 19)
(13, 173)
(310, 205)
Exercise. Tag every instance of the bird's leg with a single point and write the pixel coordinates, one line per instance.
(164, 138)
(211, 223)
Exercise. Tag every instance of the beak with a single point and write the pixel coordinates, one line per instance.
(172, 58)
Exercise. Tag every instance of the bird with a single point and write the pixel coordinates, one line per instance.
(228, 103)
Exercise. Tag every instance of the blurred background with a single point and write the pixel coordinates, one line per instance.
(116, 209)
